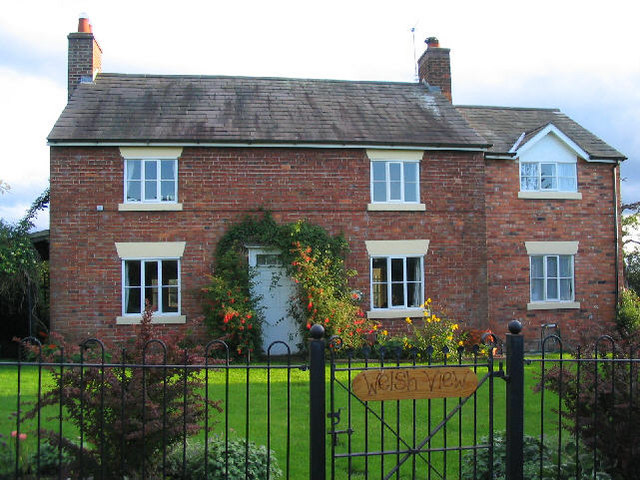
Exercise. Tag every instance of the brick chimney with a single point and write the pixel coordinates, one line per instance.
(85, 55)
(434, 66)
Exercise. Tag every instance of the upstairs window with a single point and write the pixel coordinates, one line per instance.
(394, 182)
(552, 278)
(548, 177)
(397, 282)
(151, 180)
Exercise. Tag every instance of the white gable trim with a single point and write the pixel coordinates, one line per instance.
(549, 129)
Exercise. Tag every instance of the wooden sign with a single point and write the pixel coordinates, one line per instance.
(414, 383)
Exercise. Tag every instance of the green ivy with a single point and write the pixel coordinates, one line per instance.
(311, 256)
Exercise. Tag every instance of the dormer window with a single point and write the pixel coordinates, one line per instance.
(548, 165)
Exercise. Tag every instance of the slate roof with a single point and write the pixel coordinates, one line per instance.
(184, 109)
(503, 126)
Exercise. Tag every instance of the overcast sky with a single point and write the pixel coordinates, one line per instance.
(580, 56)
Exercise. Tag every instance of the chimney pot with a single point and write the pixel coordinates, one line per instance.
(83, 25)
(432, 42)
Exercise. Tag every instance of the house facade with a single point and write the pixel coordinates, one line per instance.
(493, 213)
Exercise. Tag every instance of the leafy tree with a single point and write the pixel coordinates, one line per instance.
(21, 271)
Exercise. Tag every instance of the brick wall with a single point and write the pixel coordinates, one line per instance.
(512, 221)
(217, 187)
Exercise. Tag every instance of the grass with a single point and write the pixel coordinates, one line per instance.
(292, 448)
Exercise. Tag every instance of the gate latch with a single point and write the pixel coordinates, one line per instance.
(335, 421)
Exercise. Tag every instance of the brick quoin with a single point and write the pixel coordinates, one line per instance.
(219, 186)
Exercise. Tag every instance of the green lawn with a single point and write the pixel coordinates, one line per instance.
(292, 451)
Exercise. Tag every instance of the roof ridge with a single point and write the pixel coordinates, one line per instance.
(496, 107)
(246, 77)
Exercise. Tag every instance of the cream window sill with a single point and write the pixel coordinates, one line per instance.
(553, 306)
(159, 319)
(396, 313)
(396, 207)
(150, 207)
(550, 195)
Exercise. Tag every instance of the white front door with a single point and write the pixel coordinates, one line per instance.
(275, 290)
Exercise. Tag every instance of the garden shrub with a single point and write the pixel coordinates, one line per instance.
(602, 409)
(139, 435)
(532, 449)
(217, 458)
(628, 314)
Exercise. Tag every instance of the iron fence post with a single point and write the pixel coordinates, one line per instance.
(317, 427)
(515, 401)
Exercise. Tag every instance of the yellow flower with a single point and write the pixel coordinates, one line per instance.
(454, 327)
(449, 338)
(375, 327)
(385, 333)
(408, 320)
(460, 343)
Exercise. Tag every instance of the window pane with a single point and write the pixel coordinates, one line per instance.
(552, 289)
(132, 273)
(380, 296)
(413, 269)
(395, 191)
(379, 171)
(397, 269)
(565, 266)
(134, 170)
(414, 293)
(528, 176)
(567, 184)
(395, 172)
(411, 172)
(150, 190)
(537, 270)
(537, 290)
(410, 192)
(397, 295)
(169, 299)
(168, 191)
(132, 300)
(150, 170)
(548, 176)
(169, 272)
(167, 169)
(379, 192)
(567, 170)
(134, 191)
(552, 267)
(150, 274)
(151, 296)
(528, 183)
(566, 289)
(379, 269)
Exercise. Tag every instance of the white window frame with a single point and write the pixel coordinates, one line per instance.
(159, 286)
(387, 181)
(538, 177)
(547, 277)
(389, 283)
(547, 249)
(158, 181)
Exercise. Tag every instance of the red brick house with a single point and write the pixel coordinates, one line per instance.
(494, 213)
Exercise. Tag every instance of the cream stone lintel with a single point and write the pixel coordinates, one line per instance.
(136, 319)
(399, 155)
(551, 248)
(138, 250)
(150, 207)
(550, 195)
(396, 207)
(150, 152)
(396, 313)
(396, 247)
(553, 305)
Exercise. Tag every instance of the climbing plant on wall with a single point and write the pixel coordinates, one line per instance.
(315, 261)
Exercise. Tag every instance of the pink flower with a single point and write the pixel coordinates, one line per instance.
(14, 434)
(23, 436)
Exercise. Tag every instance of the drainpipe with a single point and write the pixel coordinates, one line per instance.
(616, 228)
